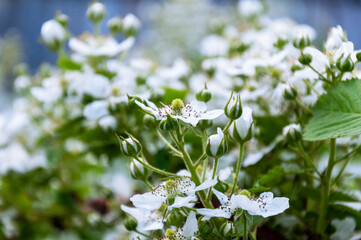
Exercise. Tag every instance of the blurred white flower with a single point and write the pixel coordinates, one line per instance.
(52, 32)
(249, 7)
(213, 46)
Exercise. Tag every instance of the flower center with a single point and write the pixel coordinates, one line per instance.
(177, 105)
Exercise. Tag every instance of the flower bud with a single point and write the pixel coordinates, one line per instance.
(138, 171)
(176, 218)
(62, 19)
(292, 132)
(281, 42)
(305, 59)
(358, 56)
(217, 144)
(131, 102)
(301, 41)
(150, 122)
(168, 124)
(96, 12)
(205, 228)
(130, 146)
(242, 129)
(290, 93)
(233, 108)
(226, 229)
(131, 25)
(130, 224)
(345, 64)
(296, 67)
(204, 95)
(53, 34)
(204, 124)
(221, 186)
(115, 25)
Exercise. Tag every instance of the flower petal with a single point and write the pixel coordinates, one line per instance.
(191, 225)
(214, 212)
(206, 184)
(147, 201)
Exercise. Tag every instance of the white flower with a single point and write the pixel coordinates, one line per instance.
(335, 38)
(345, 50)
(249, 7)
(319, 60)
(188, 230)
(95, 110)
(182, 186)
(96, 11)
(291, 129)
(214, 45)
(108, 122)
(52, 32)
(99, 47)
(49, 92)
(265, 205)
(191, 113)
(148, 220)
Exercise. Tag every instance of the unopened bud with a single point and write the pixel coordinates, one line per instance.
(221, 187)
(176, 218)
(62, 19)
(242, 129)
(53, 34)
(358, 56)
(296, 67)
(305, 59)
(96, 12)
(204, 124)
(290, 93)
(115, 25)
(131, 25)
(233, 108)
(345, 64)
(168, 124)
(150, 122)
(204, 95)
(217, 144)
(131, 102)
(130, 146)
(130, 224)
(205, 228)
(138, 171)
(301, 41)
(292, 132)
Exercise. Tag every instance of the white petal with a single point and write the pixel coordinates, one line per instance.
(96, 110)
(183, 202)
(134, 212)
(223, 199)
(147, 201)
(214, 212)
(154, 225)
(191, 225)
(151, 110)
(212, 114)
(278, 205)
(206, 184)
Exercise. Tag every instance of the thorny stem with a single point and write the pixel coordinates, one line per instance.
(154, 169)
(326, 184)
(307, 159)
(238, 167)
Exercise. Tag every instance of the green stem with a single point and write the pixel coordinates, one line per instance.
(143, 234)
(238, 167)
(341, 171)
(348, 155)
(320, 75)
(160, 135)
(228, 126)
(307, 159)
(326, 184)
(213, 176)
(148, 185)
(154, 169)
(191, 168)
(245, 233)
(304, 108)
(96, 29)
(201, 158)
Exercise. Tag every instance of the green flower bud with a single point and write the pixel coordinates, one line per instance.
(131, 102)
(204, 124)
(217, 144)
(150, 122)
(176, 218)
(281, 42)
(205, 228)
(345, 64)
(358, 56)
(204, 95)
(170, 199)
(292, 132)
(168, 124)
(138, 171)
(115, 25)
(130, 146)
(131, 25)
(226, 229)
(290, 93)
(233, 109)
(130, 224)
(296, 68)
(96, 12)
(62, 19)
(221, 186)
(242, 129)
(302, 41)
(305, 59)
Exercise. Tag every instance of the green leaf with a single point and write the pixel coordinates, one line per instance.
(67, 64)
(337, 113)
(171, 93)
(273, 175)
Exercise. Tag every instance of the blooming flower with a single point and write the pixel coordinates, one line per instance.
(265, 205)
(191, 113)
(147, 219)
(185, 232)
(183, 189)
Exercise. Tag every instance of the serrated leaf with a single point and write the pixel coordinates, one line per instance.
(272, 175)
(337, 113)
